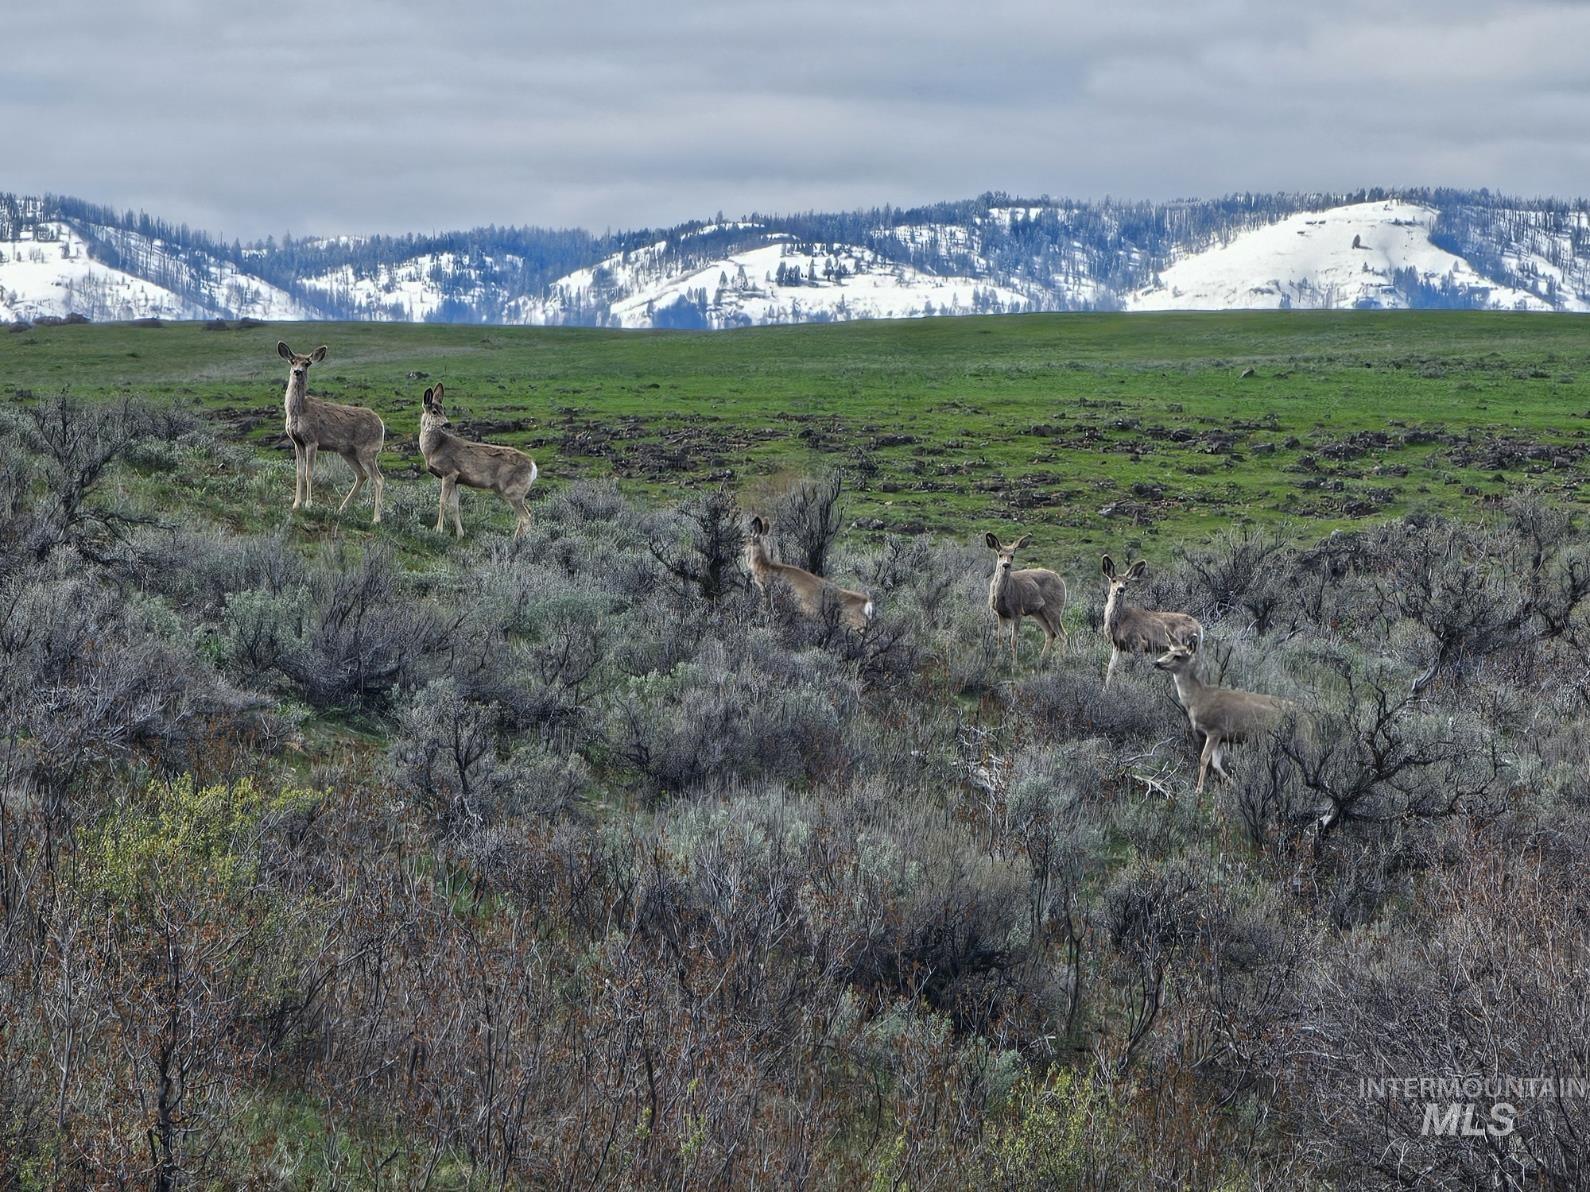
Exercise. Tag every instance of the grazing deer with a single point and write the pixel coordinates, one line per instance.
(353, 432)
(1032, 592)
(812, 592)
(1141, 630)
(1223, 715)
(506, 471)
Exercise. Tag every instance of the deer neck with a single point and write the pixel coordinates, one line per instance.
(1188, 687)
(999, 588)
(432, 437)
(1114, 611)
(296, 399)
(757, 558)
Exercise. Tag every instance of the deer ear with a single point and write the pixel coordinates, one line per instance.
(1108, 567)
(283, 350)
(1022, 541)
(318, 354)
(1137, 569)
(758, 526)
(991, 540)
(428, 393)
(436, 393)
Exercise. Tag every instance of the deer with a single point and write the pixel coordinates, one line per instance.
(1140, 630)
(353, 432)
(1222, 715)
(1034, 592)
(813, 593)
(506, 471)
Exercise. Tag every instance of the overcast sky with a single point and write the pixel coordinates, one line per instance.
(387, 115)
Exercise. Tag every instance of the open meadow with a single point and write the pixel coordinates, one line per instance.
(347, 855)
(1088, 430)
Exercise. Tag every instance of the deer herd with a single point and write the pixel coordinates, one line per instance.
(1221, 716)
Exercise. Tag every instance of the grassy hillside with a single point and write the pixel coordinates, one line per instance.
(1088, 430)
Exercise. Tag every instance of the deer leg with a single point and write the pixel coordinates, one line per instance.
(1060, 628)
(310, 450)
(358, 480)
(298, 474)
(521, 521)
(1218, 761)
(1015, 634)
(373, 467)
(454, 501)
(441, 504)
(1109, 671)
(1211, 745)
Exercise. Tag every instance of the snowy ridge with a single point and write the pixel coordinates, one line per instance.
(406, 291)
(774, 282)
(993, 254)
(1374, 255)
(52, 268)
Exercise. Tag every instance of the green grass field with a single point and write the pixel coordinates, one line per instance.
(1089, 431)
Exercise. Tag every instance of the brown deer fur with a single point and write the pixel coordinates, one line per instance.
(1140, 630)
(812, 592)
(1032, 592)
(505, 471)
(353, 432)
(1221, 714)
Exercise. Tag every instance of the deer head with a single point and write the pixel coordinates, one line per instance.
(433, 417)
(1178, 660)
(757, 554)
(1118, 580)
(298, 366)
(1005, 552)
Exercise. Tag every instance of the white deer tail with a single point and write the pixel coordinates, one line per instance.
(867, 610)
(534, 471)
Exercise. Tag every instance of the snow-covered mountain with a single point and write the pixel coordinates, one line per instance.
(991, 254)
(1359, 255)
(59, 266)
(775, 281)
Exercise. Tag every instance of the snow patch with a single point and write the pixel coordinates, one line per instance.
(49, 268)
(1343, 257)
(773, 282)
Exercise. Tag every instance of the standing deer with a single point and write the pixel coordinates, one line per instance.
(505, 471)
(812, 592)
(1223, 715)
(1141, 630)
(353, 432)
(1032, 592)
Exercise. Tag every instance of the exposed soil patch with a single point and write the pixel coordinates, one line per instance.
(1493, 453)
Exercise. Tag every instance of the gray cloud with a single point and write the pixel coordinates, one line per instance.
(395, 116)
